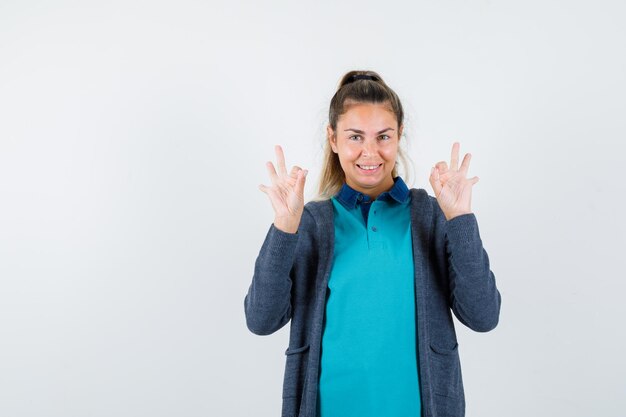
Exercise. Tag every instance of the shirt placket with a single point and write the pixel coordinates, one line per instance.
(373, 225)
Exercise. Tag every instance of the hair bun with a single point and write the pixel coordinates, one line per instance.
(353, 76)
(362, 77)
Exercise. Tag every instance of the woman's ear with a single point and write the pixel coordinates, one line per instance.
(400, 130)
(332, 140)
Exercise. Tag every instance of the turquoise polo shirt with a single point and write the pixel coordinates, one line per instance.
(368, 363)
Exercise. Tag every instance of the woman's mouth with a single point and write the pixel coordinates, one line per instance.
(369, 168)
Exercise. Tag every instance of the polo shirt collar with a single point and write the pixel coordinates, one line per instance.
(349, 197)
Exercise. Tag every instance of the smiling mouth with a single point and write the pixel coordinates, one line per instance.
(368, 167)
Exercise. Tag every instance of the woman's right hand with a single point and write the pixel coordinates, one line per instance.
(286, 193)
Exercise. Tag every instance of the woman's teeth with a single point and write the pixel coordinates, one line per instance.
(368, 167)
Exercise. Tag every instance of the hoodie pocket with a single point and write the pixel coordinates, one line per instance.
(446, 370)
(296, 364)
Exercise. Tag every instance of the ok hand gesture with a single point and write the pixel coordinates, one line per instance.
(452, 189)
(286, 193)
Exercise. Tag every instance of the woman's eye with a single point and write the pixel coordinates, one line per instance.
(355, 137)
(384, 137)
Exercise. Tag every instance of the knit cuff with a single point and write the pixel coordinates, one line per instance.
(281, 244)
(463, 229)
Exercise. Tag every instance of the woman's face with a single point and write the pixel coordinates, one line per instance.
(366, 142)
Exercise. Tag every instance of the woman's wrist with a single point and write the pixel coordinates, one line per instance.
(287, 225)
(450, 216)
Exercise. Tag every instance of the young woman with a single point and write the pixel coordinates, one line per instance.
(370, 274)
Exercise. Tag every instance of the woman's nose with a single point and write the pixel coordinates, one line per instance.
(369, 147)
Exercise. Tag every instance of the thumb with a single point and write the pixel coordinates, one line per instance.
(434, 181)
(300, 180)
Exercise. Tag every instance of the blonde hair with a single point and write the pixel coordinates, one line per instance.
(356, 87)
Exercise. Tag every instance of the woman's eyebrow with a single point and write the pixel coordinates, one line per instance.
(362, 132)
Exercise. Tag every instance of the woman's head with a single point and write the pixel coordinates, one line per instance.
(365, 123)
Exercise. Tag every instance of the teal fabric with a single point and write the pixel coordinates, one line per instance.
(369, 358)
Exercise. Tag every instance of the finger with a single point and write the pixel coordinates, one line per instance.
(280, 160)
(271, 193)
(300, 180)
(434, 181)
(465, 164)
(442, 166)
(272, 171)
(294, 171)
(474, 180)
(454, 161)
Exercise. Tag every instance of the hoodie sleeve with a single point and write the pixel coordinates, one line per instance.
(475, 299)
(268, 303)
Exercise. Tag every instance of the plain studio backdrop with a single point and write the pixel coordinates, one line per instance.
(133, 136)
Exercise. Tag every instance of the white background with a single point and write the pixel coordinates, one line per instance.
(133, 136)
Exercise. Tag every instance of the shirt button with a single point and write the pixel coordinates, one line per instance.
(360, 197)
(374, 229)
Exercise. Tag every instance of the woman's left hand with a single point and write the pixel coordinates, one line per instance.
(452, 189)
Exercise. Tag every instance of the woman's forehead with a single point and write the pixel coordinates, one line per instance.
(368, 114)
